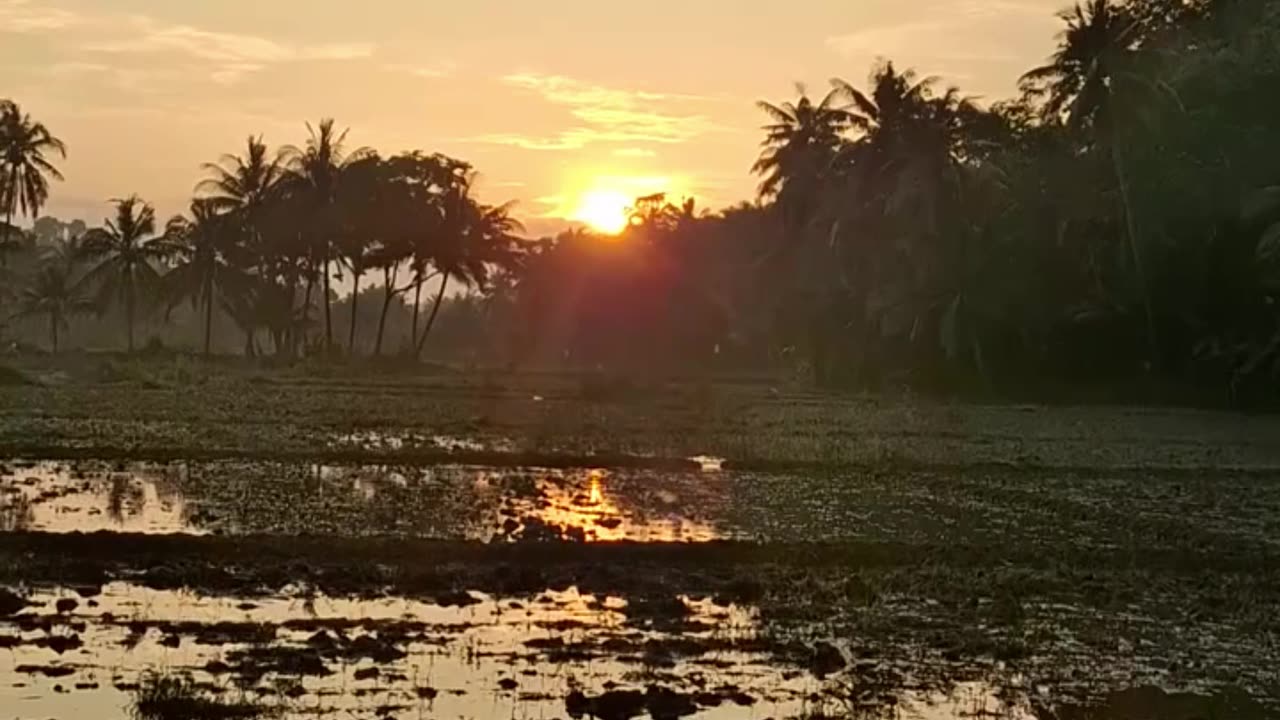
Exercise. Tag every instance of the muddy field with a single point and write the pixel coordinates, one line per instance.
(179, 542)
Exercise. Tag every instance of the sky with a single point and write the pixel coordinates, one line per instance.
(552, 101)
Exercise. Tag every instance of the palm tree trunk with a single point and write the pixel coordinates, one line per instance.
(306, 303)
(417, 308)
(208, 317)
(431, 320)
(128, 313)
(1153, 345)
(388, 287)
(355, 307)
(8, 230)
(290, 338)
(328, 312)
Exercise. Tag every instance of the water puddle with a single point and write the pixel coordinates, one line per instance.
(92, 497)
(476, 503)
(92, 653)
(376, 440)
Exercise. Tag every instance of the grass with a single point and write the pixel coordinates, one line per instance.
(147, 406)
(170, 697)
(12, 377)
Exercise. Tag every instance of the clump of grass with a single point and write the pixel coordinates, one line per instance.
(12, 377)
(167, 697)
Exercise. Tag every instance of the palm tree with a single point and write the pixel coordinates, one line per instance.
(475, 239)
(243, 185)
(1095, 53)
(903, 163)
(250, 190)
(1094, 49)
(367, 219)
(317, 169)
(201, 247)
(25, 167)
(430, 181)
(798, 149)
(54, 292)
(128, 253)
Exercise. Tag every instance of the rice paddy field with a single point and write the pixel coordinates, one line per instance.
(188, 541)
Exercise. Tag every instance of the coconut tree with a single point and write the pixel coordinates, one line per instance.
(243, 185)
(315, 171)
(431, 181)
(127, 254)
(1080, 83)
(1094, 49)
(202, 272)
(26, 147)
(474, 239)
(56, 290)
(904, 155)
(367, 220)
(799, 146)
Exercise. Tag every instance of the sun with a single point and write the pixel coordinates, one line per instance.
(604, 210)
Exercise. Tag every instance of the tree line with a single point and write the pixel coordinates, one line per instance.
(265, 236)
(1119, 219)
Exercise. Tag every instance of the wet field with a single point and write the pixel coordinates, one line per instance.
(216, 561)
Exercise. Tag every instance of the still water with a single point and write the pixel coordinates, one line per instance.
(302, 654)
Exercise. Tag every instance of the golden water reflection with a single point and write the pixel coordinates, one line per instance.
(56, 497)
(494, 657)
(446, 501)
(596, 506)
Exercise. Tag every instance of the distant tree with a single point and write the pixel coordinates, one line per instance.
(1095, 57)
(127, 254)
(363, 199)
(474, 239)
(1096, 46)
(798, 149)
(244, 186)
(315, 172)
(56, 290)
(25, 168)
(201, 272)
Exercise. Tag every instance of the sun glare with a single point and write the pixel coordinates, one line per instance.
(604, 210)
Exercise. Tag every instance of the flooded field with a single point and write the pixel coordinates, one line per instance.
(1101, 511)
(974, 594)
(386, 553)
(561, 652)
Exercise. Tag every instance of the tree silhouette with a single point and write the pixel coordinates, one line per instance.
(798, 149)
(316, 171)
(201, 271)
(1095, 56)
(56, 291)
(473, 239)
(25, 167)
(128, 256)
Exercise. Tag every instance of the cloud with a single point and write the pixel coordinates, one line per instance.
(607, 115)
(155, 37)
(560, 142)
(434, 71)
(232, 73)
(229, 57)
(77, 68)
(567, 91)
(19, 16)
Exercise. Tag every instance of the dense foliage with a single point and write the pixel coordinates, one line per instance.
(1119, 220)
